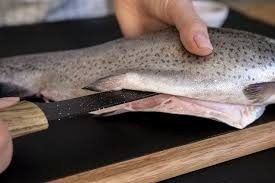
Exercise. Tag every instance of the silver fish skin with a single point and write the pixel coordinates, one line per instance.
(241, 69)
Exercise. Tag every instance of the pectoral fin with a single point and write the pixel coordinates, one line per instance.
(260, 92)
(142, 81)
(108, 83)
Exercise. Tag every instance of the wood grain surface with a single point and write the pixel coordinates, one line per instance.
(183, 159)
(24, 118)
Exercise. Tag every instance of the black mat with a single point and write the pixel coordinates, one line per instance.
(74, 145)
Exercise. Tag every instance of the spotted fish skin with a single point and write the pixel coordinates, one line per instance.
(154, 62)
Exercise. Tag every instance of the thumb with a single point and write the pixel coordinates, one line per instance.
(5, 137)
(8, 101)
(193, 31)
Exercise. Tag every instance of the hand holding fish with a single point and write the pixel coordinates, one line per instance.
(5, 138)
(141, 16)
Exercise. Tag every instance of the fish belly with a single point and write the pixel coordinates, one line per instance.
(238, 116)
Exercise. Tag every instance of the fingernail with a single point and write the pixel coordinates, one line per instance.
(202, 41)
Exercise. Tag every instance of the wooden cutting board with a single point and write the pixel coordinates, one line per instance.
(183, 159)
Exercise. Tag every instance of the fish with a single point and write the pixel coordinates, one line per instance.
(232, 85)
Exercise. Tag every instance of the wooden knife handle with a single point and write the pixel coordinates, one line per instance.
(24, 118)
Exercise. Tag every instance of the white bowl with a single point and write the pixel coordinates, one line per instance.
(212, 13)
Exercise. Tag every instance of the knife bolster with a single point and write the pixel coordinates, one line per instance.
(24, 118)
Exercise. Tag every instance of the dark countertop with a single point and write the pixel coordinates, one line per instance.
(73, 145)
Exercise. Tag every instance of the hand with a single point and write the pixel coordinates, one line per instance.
(136, 17)
(5, 138)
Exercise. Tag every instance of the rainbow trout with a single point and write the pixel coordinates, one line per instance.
(232, 85)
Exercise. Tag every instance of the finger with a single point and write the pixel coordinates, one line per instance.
(128, 17)
(8, 101)
(5, 147)
(134, 17)
(193, 31)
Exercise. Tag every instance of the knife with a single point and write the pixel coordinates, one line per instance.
(28, 117)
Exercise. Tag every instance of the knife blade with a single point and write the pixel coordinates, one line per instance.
(28, 117)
